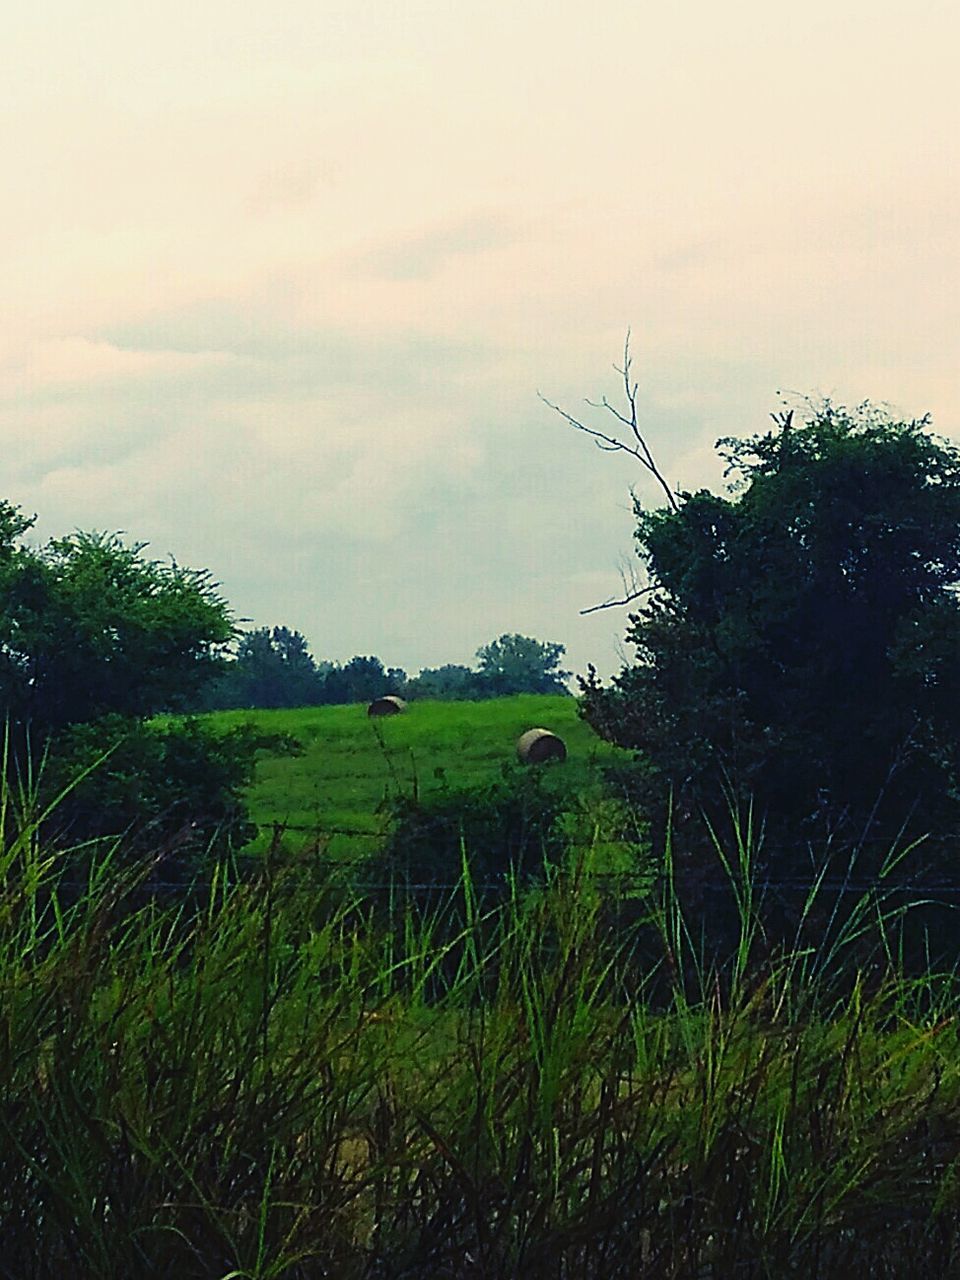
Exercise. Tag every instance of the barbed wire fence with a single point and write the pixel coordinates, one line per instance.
(942, 889)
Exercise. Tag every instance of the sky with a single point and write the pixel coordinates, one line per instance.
(282, 283)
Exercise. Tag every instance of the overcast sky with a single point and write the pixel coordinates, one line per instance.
(281, 282)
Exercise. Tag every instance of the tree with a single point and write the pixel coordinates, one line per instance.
(272, 668)
(95, 639)
(518, 664)
(361, 680)
(451, 682)
(89, 627)
(798, 639)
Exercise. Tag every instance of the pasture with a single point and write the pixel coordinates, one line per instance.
(352, 766)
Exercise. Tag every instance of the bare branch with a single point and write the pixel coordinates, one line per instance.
(611, 443)
(628, 574)
(614, 444)
(632, 590)
(636, 448)
(626, 599)
(605, 404)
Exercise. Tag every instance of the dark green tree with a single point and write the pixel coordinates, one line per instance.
(519, 664)
(89, 627)
(173, 789)
(799, 639)
(271, 668)
(450, 682)
(361, 680)
(96, 639)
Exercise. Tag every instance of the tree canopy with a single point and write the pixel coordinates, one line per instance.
(799, 639)
(273, 667)
(450, 682)
(96, 638)
(520, 664)
(89, 626)
(361, 679)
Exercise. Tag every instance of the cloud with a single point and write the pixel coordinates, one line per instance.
(209, 418)
(426, 253)
(307, 357)
(321, 475)
(281, 282)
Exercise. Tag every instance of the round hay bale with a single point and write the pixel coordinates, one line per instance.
(537, 746)
(391, 705)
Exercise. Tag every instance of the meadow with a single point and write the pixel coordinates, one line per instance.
(352, 766)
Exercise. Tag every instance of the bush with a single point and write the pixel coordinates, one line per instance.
(518, 826)
(167, 784)
(510, 826)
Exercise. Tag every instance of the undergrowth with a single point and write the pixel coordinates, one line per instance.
(295, 1082)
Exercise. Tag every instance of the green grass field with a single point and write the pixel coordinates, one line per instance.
(352, 765)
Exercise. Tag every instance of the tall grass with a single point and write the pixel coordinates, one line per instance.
(298, 1083)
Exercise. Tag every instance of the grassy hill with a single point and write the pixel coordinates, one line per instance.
(351, 764)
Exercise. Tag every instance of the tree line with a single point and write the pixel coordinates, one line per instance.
(273, 667)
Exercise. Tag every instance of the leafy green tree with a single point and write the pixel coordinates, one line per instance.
(519, 664)
(95, 640)
(798, 639)
(272, 668)
(449, 682)
(173, 788)
(361, 680)
(89, 627)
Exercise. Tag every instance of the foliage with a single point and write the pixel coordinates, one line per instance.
(516, 829)
(509, 665)
(598, 819)
(451, 682)
(174, 784)
(507, 828)
(274, 668)
(95, 639)
(520, 664)
(271, 668)
(362, 679)
(90, 627)
(799, 639)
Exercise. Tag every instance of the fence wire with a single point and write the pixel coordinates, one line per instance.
(942, 889)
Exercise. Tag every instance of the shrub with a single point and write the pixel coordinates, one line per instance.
(169, 783)
(507, 827)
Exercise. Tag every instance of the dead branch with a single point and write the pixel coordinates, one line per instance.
(625, 599)
(614, 444)
(629, 581)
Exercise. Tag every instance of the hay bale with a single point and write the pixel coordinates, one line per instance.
(391, 705)
(537, 746)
